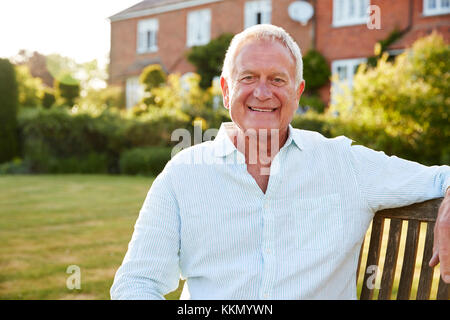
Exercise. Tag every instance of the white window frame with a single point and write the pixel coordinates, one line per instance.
(350, 64)
(342, 16)
(198, 27)
(253, 8)
(147, 35)
(134, 92)
(438, 10)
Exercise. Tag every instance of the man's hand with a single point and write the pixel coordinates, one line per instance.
(441, 244)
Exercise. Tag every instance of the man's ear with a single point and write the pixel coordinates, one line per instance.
(225, 92)
(300, 90)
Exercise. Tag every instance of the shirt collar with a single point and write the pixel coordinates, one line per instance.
(223, 145)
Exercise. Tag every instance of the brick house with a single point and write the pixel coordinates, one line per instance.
(162, 31)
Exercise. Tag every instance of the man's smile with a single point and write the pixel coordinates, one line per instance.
(258, 109)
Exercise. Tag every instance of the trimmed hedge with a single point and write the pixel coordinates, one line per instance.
(144, 161)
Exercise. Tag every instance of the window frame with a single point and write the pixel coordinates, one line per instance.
(134, 91)
(255, 7)
(194, 21)
(144, 27)
(439, 10)
(346, 20)
(335, 64)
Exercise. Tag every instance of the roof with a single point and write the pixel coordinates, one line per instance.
(148, 7)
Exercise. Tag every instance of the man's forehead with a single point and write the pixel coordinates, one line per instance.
(242, 63)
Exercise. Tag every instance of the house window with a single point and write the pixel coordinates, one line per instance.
(147, 36)
(350, 12)
(134, 92)
(343, 71)
(257, 12)
(436, 7)
(198, 27)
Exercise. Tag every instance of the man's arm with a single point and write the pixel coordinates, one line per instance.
(441, 245)
(150, 268)
(388, 182)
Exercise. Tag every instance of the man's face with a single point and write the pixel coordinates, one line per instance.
(262, 92)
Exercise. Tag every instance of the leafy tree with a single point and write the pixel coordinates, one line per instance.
(316, 74)
(67, 90)
(31, 89)
(9, 143)
(208, 59)
(152, 77)
(409, 98)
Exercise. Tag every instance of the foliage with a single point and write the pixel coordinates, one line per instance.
(31, 90)
(208, 59)
(312, 102)
(111, 96)
(144, 161)
(382, 45)
(152, 77)
(9, 142)
(409, 99)
(16, 166)
(58, 133)
(67, 90)
(316, 71)
(48, 98)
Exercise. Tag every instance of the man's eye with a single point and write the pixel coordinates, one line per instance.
(278, 80)
(247, 78)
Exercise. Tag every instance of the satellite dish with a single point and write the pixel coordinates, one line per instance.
(301, 11)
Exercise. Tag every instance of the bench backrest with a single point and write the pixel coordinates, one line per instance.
(415, 214)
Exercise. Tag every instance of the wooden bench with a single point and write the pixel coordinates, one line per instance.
(415, 214)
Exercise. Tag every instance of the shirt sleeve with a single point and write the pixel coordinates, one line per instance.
(150, 268)
(389, 181)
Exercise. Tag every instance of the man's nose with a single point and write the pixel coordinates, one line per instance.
(262, 91)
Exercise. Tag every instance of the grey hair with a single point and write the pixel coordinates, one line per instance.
(263, 32)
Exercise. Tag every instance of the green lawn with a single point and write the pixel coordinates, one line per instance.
(49, 222)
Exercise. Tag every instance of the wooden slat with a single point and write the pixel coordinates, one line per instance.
(424, 211)
(426, 272)
(443, 290)
(374, 254)
(390, 261)
(409, 260)
(359, 260)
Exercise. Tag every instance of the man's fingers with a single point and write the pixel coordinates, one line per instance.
(444, 249)
(434, 259)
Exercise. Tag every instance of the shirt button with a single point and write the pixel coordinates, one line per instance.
(268, 251)
(266, 205)
(266, 295)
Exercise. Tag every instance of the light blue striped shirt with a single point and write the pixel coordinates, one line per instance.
(206, 219)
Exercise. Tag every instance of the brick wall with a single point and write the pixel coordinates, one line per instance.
(227, 16)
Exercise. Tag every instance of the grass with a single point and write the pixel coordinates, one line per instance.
(49, 222)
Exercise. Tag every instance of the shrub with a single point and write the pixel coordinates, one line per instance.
(315, 71)
(16, 166)
(67, 90)
(312, 102)
(208, 59)
(48, 98)
(152, 77)
(92, 163)
(9, 140)
(408, 98)
(144, 161)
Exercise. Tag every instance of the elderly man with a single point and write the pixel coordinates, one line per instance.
(271, 212)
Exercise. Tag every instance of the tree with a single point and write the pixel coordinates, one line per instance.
(30, 89)
(208, 59)
(67, 90)
(409, 98)
(152, 77)
(9, 141)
